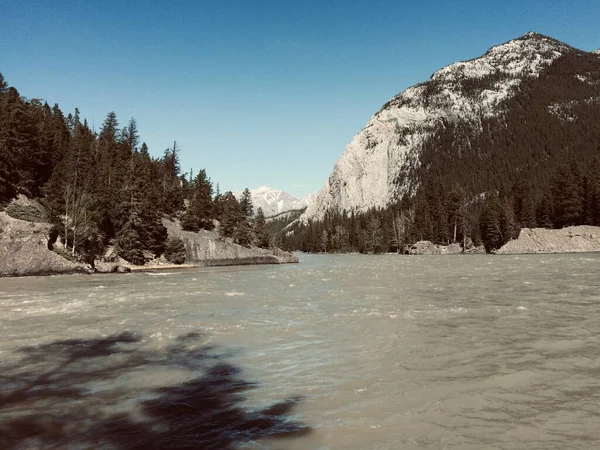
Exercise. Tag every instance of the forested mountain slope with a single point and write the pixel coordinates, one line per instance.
(482, 148)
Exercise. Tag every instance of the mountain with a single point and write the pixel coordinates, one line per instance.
(479, 125)
(273, 201)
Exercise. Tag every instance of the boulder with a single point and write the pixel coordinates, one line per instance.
(24, 250)
(424, 248)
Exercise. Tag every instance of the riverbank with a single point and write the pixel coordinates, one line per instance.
(162, 267)
(577, 239)
(25, 251)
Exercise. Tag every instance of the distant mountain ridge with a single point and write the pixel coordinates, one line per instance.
(466, 123)
(274, 201)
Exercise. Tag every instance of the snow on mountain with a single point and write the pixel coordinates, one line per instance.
(374, 165)
(274, 201)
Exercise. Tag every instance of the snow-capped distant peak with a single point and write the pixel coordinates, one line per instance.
(264, 189)
(274, 201)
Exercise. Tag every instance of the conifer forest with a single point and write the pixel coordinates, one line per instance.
(102, 187)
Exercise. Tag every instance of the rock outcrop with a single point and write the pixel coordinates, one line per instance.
(208, 248)
(24, 250)
(583, 238)
(429, 248)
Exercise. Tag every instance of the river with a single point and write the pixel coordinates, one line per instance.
(337, 352)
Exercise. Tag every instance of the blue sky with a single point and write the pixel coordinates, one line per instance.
(257, 92)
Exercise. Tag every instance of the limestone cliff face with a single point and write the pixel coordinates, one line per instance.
(210, 249)
(376, 166)
(24, 250)
(578, 239)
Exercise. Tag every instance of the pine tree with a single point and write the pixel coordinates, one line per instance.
(490, 223)
(567, 195)
(508, 225)
(260, 229)
(374, 233)
(246, 204)
(129, 243)
(201, 208)
(546, 211)
(524, 205)
(592, 194)
(153, 234)
(232, 215)
(172, 194)
(175, 251)
(17, 144)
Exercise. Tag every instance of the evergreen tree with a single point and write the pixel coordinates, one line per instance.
(262, 235)
(545, 211)
(567, 195)
(200, 211)
(508, 225)
(18, 145)
(490, 223)
(524, 205)
(172, 193)
(592, 193)
(246, 204)
(153, 234)
(129, 243)
(175, 251)
(232, 215)
(374, 235)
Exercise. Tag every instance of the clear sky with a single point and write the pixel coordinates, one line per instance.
(264, 92)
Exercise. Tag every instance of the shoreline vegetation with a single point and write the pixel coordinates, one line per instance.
(75, 199)
(25, 249)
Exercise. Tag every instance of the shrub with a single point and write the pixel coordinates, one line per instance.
(175, 251)
(31, 211)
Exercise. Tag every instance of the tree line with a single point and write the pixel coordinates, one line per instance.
(103, 187)
(446, 214)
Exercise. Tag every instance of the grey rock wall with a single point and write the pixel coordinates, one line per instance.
(210, 249)
(24, 250)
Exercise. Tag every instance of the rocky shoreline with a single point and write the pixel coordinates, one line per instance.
(24, 251)
(429, 248)
(209, 248)
(576, 239)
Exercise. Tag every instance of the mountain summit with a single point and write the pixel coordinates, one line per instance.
(451, 115)
(273, 201)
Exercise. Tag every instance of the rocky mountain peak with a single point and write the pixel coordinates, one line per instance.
(376, 164)
(523, 56)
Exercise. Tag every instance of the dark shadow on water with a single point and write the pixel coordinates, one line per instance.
(115, 393)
